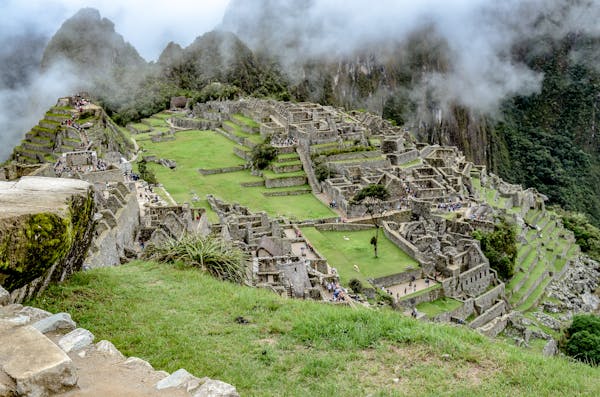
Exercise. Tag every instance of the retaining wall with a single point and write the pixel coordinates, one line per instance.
(285, 182)
(495, 311)
(344, 227)
(428, 296)
(485, 301)
(398, 278)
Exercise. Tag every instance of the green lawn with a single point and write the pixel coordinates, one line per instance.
(196, 149)
(245, 120)
(178, 318)
(207, 149)
(343, 253)
(438, 306)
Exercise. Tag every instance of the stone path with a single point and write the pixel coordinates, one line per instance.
(418, 285)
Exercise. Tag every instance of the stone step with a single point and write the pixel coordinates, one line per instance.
(34, 362)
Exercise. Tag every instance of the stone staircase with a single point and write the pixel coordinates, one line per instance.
(46, 355)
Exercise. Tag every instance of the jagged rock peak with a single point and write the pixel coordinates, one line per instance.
(87, 39)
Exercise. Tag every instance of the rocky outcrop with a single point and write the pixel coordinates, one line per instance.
(46, 226)
(577, 289)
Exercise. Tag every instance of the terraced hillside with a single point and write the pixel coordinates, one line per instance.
(67, 128)
(544, 249)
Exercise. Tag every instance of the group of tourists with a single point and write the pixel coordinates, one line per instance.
(284, 142)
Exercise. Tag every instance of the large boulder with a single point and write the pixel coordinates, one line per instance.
(46, 227)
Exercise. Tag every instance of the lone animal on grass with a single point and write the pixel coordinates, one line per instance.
(356, 268)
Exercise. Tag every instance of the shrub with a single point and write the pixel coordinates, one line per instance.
(583, 339)
(210, 254)
(321, 172)
(262, 155)
(356, 285)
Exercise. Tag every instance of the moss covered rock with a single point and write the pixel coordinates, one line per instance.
(46, 226)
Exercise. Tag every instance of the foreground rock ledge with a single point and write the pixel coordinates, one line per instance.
(46, 227)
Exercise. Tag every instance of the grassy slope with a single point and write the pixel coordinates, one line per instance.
(182, 318)
(207, 149)
(344, 254)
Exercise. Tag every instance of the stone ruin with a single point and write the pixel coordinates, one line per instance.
(282, 259)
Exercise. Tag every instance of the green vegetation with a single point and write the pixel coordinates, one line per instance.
(182, 318)
(500, 247)
(371, 196)
(582, 339)
(438, 306)
(213, 255)
(262, 155)
(546, 140)
(145, 173)
(586, 234)
(343, 250)
(193, 150)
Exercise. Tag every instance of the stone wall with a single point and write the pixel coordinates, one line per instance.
(343, 227)
(398, 278)
(109, 246)
(485, 301)
(212, 171)
(401, 242)
(495, 311)
(411, 301)
(476, 280)
(465, 310)
(112, 175)
(195, 124)
(285, 182)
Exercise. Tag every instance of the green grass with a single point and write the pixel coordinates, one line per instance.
(194, 147)
(155, 122)
(288, 156)
(207, 149)
(246, 120)
(438, 306)
(139, 127)
(412, 163)
(185, 319)
(343, 254)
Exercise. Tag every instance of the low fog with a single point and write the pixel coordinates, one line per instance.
(479, 36)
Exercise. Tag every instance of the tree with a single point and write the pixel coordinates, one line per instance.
(371, 197)
(146, 173)
(500, 247)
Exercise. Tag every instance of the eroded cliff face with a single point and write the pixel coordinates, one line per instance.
(46, 227)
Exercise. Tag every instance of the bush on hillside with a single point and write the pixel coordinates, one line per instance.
(262, 155)
(500, 247)
(582, 339)
(587, 235)
(213, 255)
(356, 285)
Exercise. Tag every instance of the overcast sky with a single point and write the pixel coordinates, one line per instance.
(147, 24)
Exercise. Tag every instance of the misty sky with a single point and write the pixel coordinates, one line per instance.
(147, 24)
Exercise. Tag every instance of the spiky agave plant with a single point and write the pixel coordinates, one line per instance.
(210, 254)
